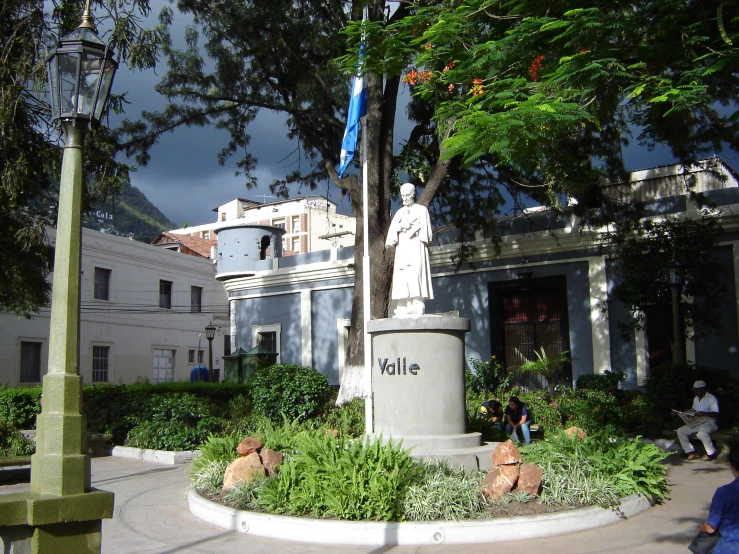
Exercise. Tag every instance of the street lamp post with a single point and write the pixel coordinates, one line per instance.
(678, 335)
(210, 333)
(63, 513)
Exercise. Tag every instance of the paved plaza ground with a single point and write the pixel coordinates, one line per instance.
(151, 516)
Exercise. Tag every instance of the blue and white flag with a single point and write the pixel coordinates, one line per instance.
(357, 109)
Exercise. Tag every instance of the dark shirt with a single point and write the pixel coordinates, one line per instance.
(724, 516)
(491, 409)
(516, 416)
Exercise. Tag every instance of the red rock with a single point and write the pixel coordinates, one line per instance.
(271, 461)
(243, 470)
(499, 481)
(249, 445)
(529, 478)
(506, 453)
(576, 432)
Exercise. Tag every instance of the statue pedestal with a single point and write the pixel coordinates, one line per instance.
(418, 387)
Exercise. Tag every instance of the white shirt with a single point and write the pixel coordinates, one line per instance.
(706, 404)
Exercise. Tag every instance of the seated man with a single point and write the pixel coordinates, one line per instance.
(704, 405)
(492, 412)
(517, 417)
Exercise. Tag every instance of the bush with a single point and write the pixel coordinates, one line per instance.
(295, 391)
(487, 377)
(608, 381)
(346, 479)
(444, 492)
(19, 406)
(592, 470)
(176, 421)
(348, 418)
(13, 443)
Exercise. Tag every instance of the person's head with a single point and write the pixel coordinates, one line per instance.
(734, 460)
(699, 387)
(408, 194)
(514, 403)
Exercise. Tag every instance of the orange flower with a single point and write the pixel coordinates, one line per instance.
(429, 46)
(451, 87)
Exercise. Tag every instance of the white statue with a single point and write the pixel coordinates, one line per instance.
(410, 233)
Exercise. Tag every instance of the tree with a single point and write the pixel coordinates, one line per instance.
(29, 153)
(531, 97)
(642, 253)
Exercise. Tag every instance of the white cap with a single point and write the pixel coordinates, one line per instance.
(699, 385)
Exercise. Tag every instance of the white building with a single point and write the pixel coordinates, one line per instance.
(143, 309)
(310, 222)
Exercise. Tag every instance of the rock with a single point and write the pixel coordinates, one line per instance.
(271, 461)
(332, 433)
(529, 479)
(506, 453)
(499, 481)
(243, 470)
(576, 432)
(249, 445)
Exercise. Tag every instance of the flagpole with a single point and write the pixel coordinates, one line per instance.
(366, 308)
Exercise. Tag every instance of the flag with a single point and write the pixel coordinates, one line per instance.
(357, 109)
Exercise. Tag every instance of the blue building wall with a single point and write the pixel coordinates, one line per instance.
(327, 307)
(268, 310)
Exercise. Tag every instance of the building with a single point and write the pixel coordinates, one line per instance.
(311, 223)
(143, 309)
(545, 288)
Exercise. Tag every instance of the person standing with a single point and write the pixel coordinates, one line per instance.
(410, 233)
(704, 405)
(723, 517)
(517, 417)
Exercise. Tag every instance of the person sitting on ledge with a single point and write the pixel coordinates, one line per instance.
(704, 405)
(492, 412)
(723, 518)
(517, 417)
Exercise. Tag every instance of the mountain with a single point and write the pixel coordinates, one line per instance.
(130, 214)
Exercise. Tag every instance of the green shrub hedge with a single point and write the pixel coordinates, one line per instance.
(19, 406)
(290, 391)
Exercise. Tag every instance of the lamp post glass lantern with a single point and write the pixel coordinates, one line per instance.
(210, 333)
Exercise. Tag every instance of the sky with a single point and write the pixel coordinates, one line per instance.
(185, 182)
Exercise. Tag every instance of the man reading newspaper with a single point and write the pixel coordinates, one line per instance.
(701, 421)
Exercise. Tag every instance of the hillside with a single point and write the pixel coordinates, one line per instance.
(131, 214)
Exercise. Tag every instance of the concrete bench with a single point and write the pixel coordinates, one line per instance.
(15, 461)
(722, 440)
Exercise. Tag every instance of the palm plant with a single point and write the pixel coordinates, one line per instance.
(545, 366)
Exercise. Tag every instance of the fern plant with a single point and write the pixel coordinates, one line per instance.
(217, 449)
(546, 366)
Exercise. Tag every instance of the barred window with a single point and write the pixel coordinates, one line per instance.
(30, 362)
(102, 283)
(100, 362)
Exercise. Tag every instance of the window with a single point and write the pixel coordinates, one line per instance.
(100, 357)
(280, 222)
(30, 362)
(163, 366)
(223, 216)
(268, 336)
(165, 294)
(196, 296)
(102, 283)
(295, 225)
(227, 344)
(296, 244)
(205, 234)
(200, 356)
(191, 356)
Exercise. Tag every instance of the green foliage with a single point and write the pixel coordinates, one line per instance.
(348, 419)
(13, 443)
(221, 449)
(208, 477)
(598, 469)
(292, 391)
(245, 496)
(173, 422)
(487, 376)
(546, 366)
(643, 252)
(346, 479)
(608, 381)
(19, 406)
(444, 492)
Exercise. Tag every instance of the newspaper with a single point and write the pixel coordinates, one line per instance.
(690, 419)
